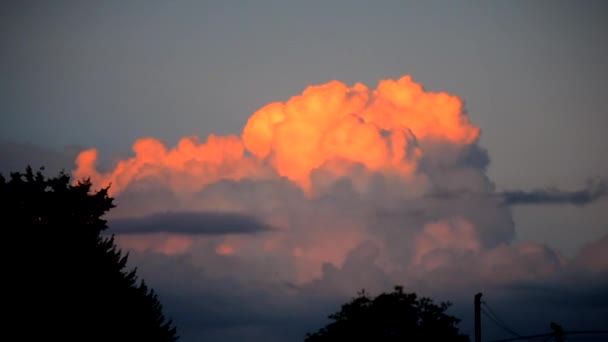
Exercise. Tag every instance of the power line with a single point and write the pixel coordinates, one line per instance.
(530, 337)
(494, 317)
(566, 333)
(499, 324)
(591, 335)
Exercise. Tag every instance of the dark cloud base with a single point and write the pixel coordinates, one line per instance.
(591, 193)
(190, 223)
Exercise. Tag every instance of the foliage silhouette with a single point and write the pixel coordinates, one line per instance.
(67, 281)
(395, 316)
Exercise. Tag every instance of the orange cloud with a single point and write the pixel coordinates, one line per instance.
(329, 124)
(374, 128)
(188, 166)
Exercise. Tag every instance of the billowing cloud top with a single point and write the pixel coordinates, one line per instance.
(330, 127)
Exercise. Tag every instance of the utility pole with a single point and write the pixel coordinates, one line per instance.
(478, 317)
(559, 332)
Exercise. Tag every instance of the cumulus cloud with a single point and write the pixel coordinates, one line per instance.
(332, 126)
(362, 188)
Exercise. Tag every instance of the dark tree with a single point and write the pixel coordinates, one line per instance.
(395, 316)
(63, 280)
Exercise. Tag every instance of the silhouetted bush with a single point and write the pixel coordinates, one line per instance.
(63, 280)
(395, 316)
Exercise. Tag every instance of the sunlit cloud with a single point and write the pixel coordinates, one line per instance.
(337, 188)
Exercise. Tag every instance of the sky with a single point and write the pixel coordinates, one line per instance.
(340, 145)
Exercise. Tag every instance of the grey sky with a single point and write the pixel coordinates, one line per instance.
(533, 75)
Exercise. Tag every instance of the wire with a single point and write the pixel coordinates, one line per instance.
(501, 325)
(587, 338)
(600, 335)
(493, 313)
(494, 317)
(530, 337)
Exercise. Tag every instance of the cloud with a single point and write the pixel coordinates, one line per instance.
(362, 188)
(189, 223)
(591, 193)
(332, 126)
(225, 307)
(593, 256)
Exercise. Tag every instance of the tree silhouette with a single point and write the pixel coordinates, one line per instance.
(395, 316)
(64, 280)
